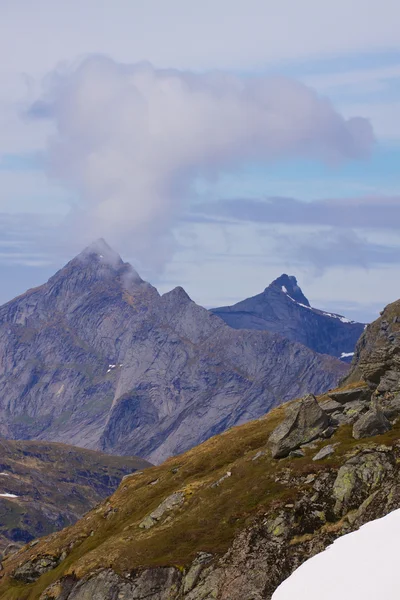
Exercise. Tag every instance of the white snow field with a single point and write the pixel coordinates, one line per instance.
(362, 565)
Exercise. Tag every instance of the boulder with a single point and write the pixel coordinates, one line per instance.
(324, 452)
(391, 407)
(358, 478)
(344, 396)
(372, 423)
(304, 422)
(170, 503)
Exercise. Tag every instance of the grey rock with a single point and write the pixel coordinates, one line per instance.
(290, 314)
(299, 453)
(359, 394)
(391, 407)
(372, 423)
(198, 565)
(304, 422)
(258, 455)
(358, 477)
(221, 479)
(170, 503)
(354, 409)
(97, 358)
(330, 406)
(154, 584)
(324, 452)
(33, 569)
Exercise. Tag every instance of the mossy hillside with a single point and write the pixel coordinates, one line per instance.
(210, 516)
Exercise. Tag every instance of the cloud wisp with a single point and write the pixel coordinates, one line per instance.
(130, 141)
(366, 213)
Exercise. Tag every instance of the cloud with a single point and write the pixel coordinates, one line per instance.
(131, 140)
(334, 248)
(365, 212)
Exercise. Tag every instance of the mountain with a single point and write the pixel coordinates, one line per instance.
(97, 358)
(46, 486)
(235, 516)
(282, 308)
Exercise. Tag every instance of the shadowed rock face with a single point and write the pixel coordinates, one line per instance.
(282, 308)
(97, 358)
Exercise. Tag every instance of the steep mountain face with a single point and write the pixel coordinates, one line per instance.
(45, 486)
(282, 308)
(97, 358)
(235, 516)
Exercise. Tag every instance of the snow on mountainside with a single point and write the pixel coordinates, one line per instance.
(361, 565)
(283, 308)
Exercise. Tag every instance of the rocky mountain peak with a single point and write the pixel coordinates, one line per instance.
(95, 265)
(288, 285)
(99, 250)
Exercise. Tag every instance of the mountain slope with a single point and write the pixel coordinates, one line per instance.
(97, 358)
(226, 520)
(47, 486)
(282, 308)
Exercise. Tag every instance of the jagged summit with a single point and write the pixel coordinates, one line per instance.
(288, 285)
(283, 308)
(101, 250)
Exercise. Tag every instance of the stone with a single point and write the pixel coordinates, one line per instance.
(358, 478)
(389, 382)
(344, 396)
(354, 409)
(324, 452)
(221, 479)
(372, 423)
(297, 453)
(258, 455)
(30, 571)
(197, 566)
(330, 405)
(170, 503)
(391, 407)
(305, 421)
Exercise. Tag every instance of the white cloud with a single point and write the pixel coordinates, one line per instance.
(132, 139)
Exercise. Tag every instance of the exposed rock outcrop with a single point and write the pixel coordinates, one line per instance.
(305, 422)
(371, 423)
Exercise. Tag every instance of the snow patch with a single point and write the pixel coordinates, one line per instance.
(362, 564)
(346, 354)
(284, 289)
(343, 319)
(8, 496)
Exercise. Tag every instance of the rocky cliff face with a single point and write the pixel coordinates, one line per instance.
(45, 486)
(97, 358)
(283, 308)
(233, 517)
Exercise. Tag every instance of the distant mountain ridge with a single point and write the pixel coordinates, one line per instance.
(283, 308)
(46, 486)
(97, 358)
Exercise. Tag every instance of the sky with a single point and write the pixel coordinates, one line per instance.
(214, 144)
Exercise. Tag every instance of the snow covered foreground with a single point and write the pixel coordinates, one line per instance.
(363, 565)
